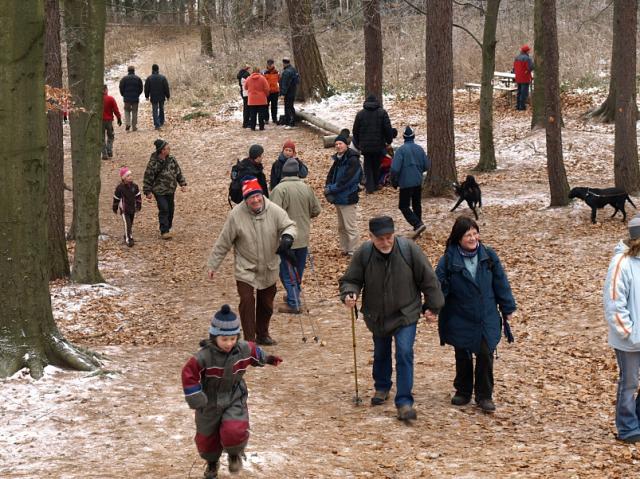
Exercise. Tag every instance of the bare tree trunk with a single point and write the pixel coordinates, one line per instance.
(439, 89)
(537, 95)
(558, 185)
(313, 78)
(373, 58)
(58, 258)
(206, 43)
(84, 24)
(28, 334)
(487, 152)
(627, 172)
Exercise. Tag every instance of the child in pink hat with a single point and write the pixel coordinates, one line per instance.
(127, 200)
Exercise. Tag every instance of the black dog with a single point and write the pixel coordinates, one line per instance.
(600, 197)
(469, 191)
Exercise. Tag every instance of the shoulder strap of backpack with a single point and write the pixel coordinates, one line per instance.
(405, 250)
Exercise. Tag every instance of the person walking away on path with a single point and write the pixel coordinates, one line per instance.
(213, 385)
(258, 230)
(372, 131)
(621, 297)
(252, 166)
(341, 189)
(477, 292)
(409, 163)
(156, 88)
(522, 67)
(130, 89)
(398, 285)
(273, 78)
(242, 76)
(127, 200)
(161, 178)
(289, 80)
(257, 92)
(109, 109)
(297, 198)
(288, 151)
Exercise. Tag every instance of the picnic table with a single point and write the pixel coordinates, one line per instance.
(502, 81)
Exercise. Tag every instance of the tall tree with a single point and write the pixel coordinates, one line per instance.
(439, 89)
(537, 95)
(28, 334)
(206, 43)
(487, 151)
(84, 25)
(58, 258)
(627, 172)
(313, 78)
(373, 58)
(558, 185)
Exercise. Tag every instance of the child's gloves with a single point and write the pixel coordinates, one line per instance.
(273, 360)
(197, 400)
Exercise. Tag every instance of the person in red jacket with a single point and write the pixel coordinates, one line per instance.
(273, 78)
(257, 89)
(109, 108)
(522, 67)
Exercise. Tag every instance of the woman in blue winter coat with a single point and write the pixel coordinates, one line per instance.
(622, 310)
(477, 292)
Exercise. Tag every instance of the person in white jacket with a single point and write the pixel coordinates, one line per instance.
(621, 299)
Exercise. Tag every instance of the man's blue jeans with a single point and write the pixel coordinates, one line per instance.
(382, 368)
(522, 95)
(292, 282)
(157, 108)
(628, 399)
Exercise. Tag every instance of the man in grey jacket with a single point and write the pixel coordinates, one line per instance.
(258, 230)
(393, 274)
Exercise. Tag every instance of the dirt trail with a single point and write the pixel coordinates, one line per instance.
(554, 386)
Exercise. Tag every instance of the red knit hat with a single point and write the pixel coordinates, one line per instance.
(124, 171)
(525, 48)
(250, 187)
(289, 144)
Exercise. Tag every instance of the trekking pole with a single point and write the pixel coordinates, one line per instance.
(297, 300)
(356, 400)
(303, 303)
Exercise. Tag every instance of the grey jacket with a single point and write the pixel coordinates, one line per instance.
(392, 286)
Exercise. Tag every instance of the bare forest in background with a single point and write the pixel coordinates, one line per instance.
(254, 30)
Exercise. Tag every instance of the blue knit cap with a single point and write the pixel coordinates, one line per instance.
(225, 322)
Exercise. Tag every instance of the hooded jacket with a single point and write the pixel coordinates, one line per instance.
(257, 89)
(273, 78)
(621, 298)
(372, 128)
(255, 239)
(522, 67)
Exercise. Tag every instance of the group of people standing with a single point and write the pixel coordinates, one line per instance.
(260, 91)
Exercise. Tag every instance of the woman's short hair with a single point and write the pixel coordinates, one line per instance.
(460, 227)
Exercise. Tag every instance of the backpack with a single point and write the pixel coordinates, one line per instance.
(235, 187)
(403, 247)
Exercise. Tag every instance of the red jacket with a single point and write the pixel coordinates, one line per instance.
(522, 67)
(273, 79)
(109, 108)
(257, 88)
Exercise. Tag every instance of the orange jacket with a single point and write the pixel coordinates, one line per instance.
(257, 88)
(273, 78)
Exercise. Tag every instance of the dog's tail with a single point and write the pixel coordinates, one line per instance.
(629, 200)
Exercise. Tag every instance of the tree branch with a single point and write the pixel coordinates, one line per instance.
(593, 19)
(472, 5)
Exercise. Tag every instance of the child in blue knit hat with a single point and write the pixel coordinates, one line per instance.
(214, 386)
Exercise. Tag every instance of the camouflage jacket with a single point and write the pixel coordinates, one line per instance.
(162, 176)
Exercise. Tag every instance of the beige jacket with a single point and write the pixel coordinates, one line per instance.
(297, 198)
(255, 239)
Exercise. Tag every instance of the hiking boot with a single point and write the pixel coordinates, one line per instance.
(166, 235)
(285, 308)
(460, 399)
(212, 470)
(487, 405)
(379, 398)
(407, 413)
(135, 128)
(421, 228)
(130, 242)
(127, 128)
(266, 341)
(235, 463)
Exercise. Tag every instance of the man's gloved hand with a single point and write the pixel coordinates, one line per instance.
(291, 258)
(285, 244)
(273, 360)
(119, 121)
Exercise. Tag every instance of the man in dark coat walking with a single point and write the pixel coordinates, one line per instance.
(156, 88)
(372, 131)
(289, 80)
(131, 88)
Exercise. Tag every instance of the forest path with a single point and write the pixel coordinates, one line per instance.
(555, 386)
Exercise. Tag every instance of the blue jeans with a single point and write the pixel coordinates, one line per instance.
(157, 108)
(290, 281)
(405, 338)
(166, 207)
(521, 98)
(628, 399)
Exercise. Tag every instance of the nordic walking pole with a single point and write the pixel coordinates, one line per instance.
(356, 400)
(296, 299)
(303, 304)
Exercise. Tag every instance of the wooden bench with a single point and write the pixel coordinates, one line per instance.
(477, 86)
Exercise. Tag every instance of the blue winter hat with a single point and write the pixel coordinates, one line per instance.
(224, 322)
(408, 133)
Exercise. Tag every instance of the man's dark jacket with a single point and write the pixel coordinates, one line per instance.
(372, 129)
(248, 167)
(156, 87)
(131, 88)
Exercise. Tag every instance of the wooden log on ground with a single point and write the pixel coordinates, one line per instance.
(328, 140)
